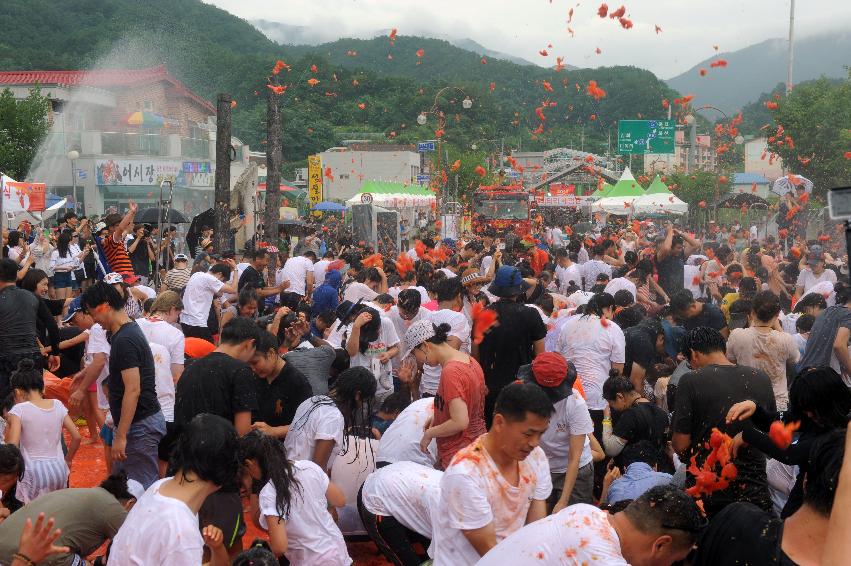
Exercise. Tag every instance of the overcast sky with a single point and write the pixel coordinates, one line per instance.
(690, 28)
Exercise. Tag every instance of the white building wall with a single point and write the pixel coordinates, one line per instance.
(755, 164)
(350, 169)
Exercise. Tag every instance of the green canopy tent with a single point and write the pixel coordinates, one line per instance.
(618, 200)
(657, 187)
(602, 192)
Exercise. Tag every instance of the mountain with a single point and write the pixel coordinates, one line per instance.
(287, 34)
(758, 68)
(364, 85)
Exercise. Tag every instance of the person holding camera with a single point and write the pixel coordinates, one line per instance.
(141, 251)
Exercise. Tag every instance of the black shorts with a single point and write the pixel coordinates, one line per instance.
(168, 441)
(224, 510)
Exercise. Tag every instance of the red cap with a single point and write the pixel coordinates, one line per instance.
(549, 369)
(129, 278)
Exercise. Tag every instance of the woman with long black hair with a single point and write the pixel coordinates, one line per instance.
(292, 489)
(321, 424)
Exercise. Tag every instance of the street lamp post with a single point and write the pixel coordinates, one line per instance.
(422, 118)
(73, 156)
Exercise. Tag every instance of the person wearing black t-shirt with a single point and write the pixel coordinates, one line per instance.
(745, 534)
(694, 314)
(704, 397)
(514, 341)
(221, 383)
(645, 344)
(639, 419)
(671, 259)
(280, 388)
(139, 422)
(253, 276)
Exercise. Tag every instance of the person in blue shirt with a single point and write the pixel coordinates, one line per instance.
(326, 297)
(639, 462)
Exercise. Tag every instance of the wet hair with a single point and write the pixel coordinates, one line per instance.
(222, 268)
(11, 461)
(409, 300)
(266, 341)
(370, 274)
(147, 305)
(368, 332)
(599, 302)
(238, 330)
(408, 277)
(747, 288)
(310, 254)
(810, 300)
(27, 377)
(32, 279)
(14, 238)
(667, 509)
(624, 298)
(271, 456)
(704, 340)
(546, 303)
(116, 485)
(640, 451)
(765, 305)
(342, 360)
(448, 289)
(8, 270)
(681, 300)
(805, 323)
(630, 316)
(396, 402)
(630, 257)
(101, 293)
(616, 384)
(517, 399)
(384, 299)
(166, 301)
(207, 446)
(327, 317)
(247, 295)
(843, 293)
(822, 476)
(259, 253)
(256, 556)
(441, 333)
(821, 392)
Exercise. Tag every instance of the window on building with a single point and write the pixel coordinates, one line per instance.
(149, 105)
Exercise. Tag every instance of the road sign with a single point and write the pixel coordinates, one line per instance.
(645, 136)
(366, 198)
(423, 179)
(426, 146)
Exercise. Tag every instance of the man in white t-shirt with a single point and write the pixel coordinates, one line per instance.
(396, 504)
(566, 442)
(198, 297)
(498, 483)
(619, 283)
(370, 283)
(449, 312)
(660, 527)
(401, 441)
(557, 237)
(594, 267)
(567, 272)
(321, 267)
(814, 273)
(298, 270)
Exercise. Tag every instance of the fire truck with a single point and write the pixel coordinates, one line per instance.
(505, 208)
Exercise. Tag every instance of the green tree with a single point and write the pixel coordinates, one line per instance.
(698, 189)
(816, 117)
(23, 124)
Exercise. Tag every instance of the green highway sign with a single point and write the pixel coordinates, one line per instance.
(645, 136)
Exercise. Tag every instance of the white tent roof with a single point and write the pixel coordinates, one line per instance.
(395, 200)
(656, 203)
(621, 206)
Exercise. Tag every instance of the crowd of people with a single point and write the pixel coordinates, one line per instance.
(633, 395)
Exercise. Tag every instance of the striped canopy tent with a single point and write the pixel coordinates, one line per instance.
(394, 195)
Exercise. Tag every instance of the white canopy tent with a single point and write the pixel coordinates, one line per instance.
(659, 203)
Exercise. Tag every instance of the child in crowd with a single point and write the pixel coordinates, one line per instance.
(35, 426)
(297, 490)
(390, 409)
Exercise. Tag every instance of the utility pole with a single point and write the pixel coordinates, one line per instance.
(274, 158)
(221, 209)
(791, 47)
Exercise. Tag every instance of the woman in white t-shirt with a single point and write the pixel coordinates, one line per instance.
(162, 527)
(322, 424)
(372, 343)
(293, 504)
(35, 426)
